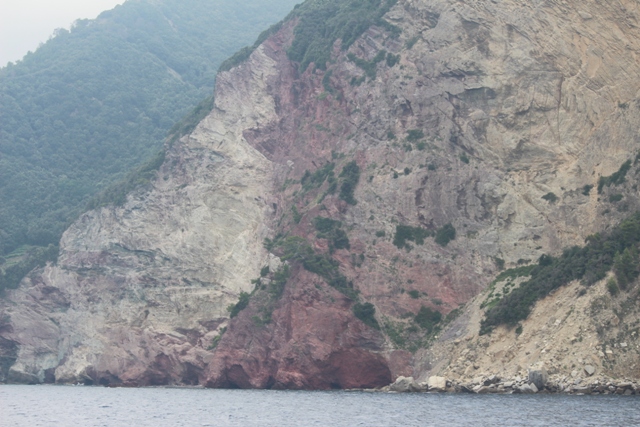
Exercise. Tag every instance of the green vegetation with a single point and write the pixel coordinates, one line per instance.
(332, 231)
(369, 67)
(414, 294)
(392, 60)
(411, 42)
(322, 22)
(294, 248)
(32, 258)
(464, 158)
(366, 312)
(588, 264)
(550, 197)
(381, 233)
(615, 198)
(615, 179)
(141, 177)
(406, 233)
(445, 234)
(428, 318)
(326, 82)
(350, 177)
(297, 216)
(626, 266)
(95, 102)
(612, 287)
(586, 190)
(415, 135)
(216, 340)
(243, 302)
(314, 180)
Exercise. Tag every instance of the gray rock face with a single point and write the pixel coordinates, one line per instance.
(538, 377)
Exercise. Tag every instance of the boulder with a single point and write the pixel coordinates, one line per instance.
(404, 385)
(437, 383)
(539, 377)
(525, 389)
(589, 370)
(493, 379)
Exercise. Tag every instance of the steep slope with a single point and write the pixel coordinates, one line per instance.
(444, 142)
(94, 102)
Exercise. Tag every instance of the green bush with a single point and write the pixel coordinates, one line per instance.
(314, 180)
(350, 177)
(586, 190)
(369, 67)
(445, 234)
(415, 135)
(366, 312)
(297, 216)
(615, 179)
(614, 198)
(612, 287)
(550, 197)
(414, 294)
(626, 266)
(464, 158)
(428, 318)
(332, 231)
(392, 60)
(406, 233)
(243, 302)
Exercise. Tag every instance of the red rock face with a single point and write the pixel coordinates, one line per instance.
(313, 342)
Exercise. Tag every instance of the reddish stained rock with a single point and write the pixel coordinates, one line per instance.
(313, 342)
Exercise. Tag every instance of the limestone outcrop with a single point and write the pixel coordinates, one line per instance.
(491, 123)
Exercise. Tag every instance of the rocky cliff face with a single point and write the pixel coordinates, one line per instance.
(490, 117)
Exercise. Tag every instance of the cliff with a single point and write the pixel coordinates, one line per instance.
(447, 140)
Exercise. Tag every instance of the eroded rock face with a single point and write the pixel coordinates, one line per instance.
(491, 107)
(312, 342)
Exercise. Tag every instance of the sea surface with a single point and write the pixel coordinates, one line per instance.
(109, 407)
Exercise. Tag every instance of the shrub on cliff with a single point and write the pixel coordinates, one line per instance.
(406, 233)
(350, 177)
(625, 266)
(445, 234)
(614, 179)
(366, 312)
(428, 318)
(588, 264)
(332, 231)
(243, 302)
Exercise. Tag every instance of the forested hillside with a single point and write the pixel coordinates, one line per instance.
(96, 101)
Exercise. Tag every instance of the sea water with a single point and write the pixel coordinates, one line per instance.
(110, 407)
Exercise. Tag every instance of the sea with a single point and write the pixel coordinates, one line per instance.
(31, 406)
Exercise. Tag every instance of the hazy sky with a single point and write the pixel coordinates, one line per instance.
(24, 24)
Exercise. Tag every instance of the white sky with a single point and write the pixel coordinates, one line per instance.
(24, 24)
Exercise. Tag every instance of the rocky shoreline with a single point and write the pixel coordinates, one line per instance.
(537, 381)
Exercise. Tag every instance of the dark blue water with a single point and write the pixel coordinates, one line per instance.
(88, 407)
